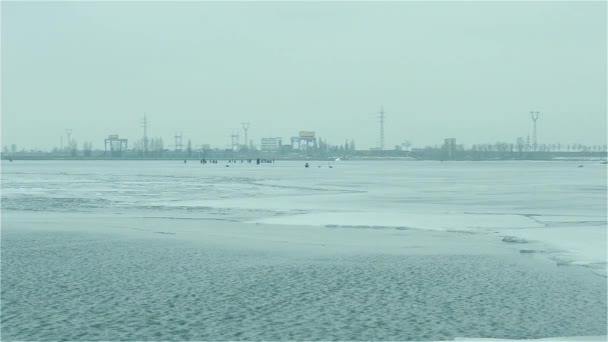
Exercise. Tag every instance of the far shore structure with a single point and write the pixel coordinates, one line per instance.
(306, 145)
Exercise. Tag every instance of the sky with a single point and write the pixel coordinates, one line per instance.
(468, 70)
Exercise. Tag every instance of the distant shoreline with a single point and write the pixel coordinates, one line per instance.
(363, 155)
(253, 160)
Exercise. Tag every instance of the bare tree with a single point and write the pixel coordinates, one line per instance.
(521, 144)
(73, 147)
(87, 147)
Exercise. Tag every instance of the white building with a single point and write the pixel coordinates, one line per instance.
(271, 144)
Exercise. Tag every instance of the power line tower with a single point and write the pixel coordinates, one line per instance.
(534, 116)
(234, 137)
(245, 128)
(144, 123)
(68, 132)
(381, 118)
(178, 142)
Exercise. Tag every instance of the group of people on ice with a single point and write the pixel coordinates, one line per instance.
(214, 161)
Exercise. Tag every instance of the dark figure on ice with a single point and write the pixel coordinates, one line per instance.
(306, 165)
(185, 161)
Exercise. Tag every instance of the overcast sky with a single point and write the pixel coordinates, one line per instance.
(469, 70)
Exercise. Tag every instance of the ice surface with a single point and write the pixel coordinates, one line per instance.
(582, 246)
(513, 199)
(365, 250)
(433, 221)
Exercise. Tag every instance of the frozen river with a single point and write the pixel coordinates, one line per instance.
(156, 250)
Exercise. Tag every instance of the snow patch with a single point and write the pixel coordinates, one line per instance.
(428, 221)
(571, 338)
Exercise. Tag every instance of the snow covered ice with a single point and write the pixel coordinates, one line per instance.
(143, 250)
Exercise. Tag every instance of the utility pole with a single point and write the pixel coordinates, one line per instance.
(245, 128)
(534, 116)
(381, 117)
(144, 123)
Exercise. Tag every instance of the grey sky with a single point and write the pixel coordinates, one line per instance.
(469, 70)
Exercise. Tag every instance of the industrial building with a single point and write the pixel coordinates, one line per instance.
(115, 144)
(307, 138)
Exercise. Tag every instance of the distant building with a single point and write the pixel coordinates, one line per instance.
(449, 148)
(115, 145)
(271, 144)
(308, 137)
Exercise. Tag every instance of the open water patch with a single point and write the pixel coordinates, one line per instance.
(55, 288)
